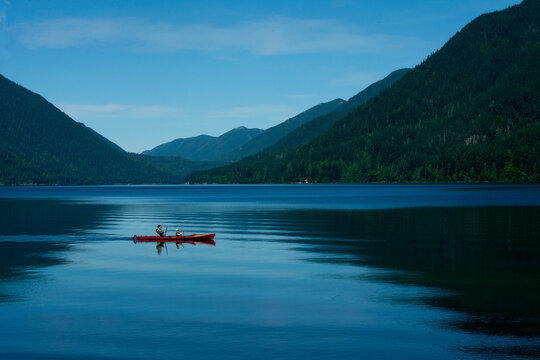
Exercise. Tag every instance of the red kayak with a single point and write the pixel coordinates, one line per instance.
(195, 239)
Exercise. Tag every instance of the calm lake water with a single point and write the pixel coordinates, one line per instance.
(298, 271)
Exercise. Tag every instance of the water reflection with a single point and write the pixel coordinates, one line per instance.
(159, 248)
(161, 245)
(23, 248)
(180, 244)
(49, 216)
(21, 261)
(486, 260)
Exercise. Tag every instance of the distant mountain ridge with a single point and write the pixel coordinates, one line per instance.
(469, 113)
(206, 147)
(295, 131)
(240, 142)
(276, 133)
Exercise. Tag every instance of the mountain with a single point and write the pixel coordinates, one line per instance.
(295, 131)
(205, 147)
(470, 112)
(103, 138)
(310, 130)
(240, 142)
(276, 133)
(39, 144)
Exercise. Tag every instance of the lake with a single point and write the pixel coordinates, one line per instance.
(298, 271)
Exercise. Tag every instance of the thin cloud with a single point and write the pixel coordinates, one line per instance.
(359, 79)
(252, 112)
(272, 36)
(261, 114)
(302, 96)
(118, 111)
(3, 30)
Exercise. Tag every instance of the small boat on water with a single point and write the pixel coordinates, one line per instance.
(195, 239)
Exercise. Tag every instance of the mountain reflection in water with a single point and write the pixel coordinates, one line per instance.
(484, 261)
(19, 261)
(23, 222)
(487, 258)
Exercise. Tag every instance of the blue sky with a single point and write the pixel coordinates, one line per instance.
(145, 72)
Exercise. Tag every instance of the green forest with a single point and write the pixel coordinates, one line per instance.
(39, 144)
(469, 113)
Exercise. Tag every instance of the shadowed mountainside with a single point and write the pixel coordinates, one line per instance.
(470, 112)
(39, 144)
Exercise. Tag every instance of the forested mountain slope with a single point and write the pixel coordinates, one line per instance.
(318, 126)
(470, 112)
(206, 147)
(276, 133)
(39, 144)
(300, 129)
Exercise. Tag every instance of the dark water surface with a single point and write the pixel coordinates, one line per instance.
(299, 271)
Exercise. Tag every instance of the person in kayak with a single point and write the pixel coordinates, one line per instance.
(178, 233)
(160, 231)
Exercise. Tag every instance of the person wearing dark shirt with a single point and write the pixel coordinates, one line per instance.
(160, 231)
